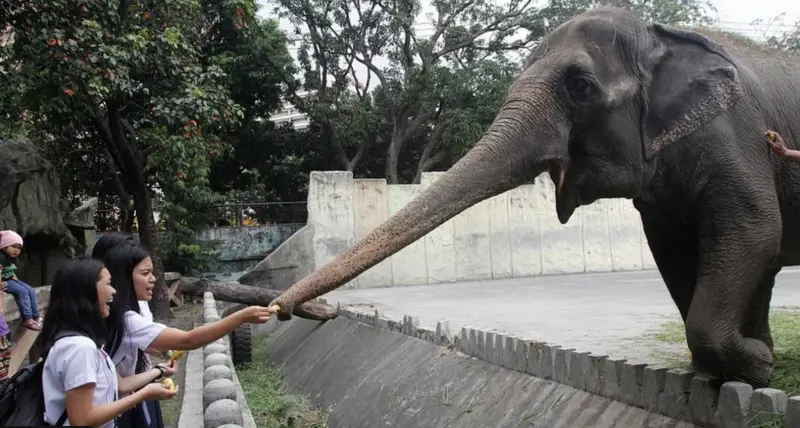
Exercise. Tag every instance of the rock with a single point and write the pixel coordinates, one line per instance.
(30, 204)
(218, 371)
(222, 412)
(214, 348)
(217, 390)
(83, 216)
(214, 359)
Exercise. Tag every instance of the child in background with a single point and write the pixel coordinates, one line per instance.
(24, 294)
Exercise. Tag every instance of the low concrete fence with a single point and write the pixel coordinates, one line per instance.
(13, 318)
(679, 394)
(224, 404)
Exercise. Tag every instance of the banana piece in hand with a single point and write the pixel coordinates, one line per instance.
(168, 383)
(175, 355)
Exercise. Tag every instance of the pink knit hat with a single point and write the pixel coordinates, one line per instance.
(8, 238)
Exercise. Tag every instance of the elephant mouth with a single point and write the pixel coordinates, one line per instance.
(567, 199)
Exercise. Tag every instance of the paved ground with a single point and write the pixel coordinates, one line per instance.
(602, 313)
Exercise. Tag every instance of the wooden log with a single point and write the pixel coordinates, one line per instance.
(238, 293)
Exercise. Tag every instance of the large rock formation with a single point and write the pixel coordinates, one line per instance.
(30, 196)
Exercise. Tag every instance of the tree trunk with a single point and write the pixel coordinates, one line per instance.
(148, 237)
(393, 158)
(238, 293)
(127, 217)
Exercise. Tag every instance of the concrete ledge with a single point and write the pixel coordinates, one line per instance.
(221, 398)
(367, 377)
(11, 310)
(693, 398)
(192, 405)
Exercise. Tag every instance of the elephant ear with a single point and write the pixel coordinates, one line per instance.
(692, 81)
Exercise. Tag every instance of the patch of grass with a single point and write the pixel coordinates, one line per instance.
(785, 324)
(270, 402)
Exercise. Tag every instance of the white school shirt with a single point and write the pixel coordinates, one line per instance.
(73, 362)
(144, 308)
(139, 334)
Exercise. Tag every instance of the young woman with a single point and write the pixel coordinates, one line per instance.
(132, 334)
(108, 242)
(79, 381)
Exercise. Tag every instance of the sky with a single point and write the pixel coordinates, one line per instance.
(733, 15)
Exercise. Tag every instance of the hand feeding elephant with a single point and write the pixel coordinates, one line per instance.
(614, 107)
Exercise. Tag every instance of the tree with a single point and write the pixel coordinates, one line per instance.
(784, 40)
(344, 35)
(131, 74)
(470, 101)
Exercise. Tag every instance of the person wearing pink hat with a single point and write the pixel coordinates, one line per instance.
(24, 294)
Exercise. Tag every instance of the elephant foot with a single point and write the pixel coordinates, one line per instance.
(751, 364)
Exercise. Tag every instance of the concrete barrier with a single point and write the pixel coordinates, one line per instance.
(24, 349)
(694, 398)
(515, 234)
(223, 401)
(11, 310)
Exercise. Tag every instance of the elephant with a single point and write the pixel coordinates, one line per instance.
(612, 106)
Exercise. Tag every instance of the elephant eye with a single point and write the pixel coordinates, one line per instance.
(579, 86)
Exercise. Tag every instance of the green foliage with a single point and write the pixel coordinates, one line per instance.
(126, 86)
(184, 253)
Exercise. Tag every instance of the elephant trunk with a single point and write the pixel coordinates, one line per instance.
(514, 150)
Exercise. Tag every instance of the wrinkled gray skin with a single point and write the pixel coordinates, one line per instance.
(613, 107)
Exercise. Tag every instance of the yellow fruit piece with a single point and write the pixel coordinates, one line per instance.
(275, 308)
(168, 383)
(771, 136)
(175, 355)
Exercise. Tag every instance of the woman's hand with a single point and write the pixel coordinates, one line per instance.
(776, 142)
(169, 369)
(257, 314)
(156, 391)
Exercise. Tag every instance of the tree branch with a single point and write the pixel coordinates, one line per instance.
(426, 161)
(494, 26)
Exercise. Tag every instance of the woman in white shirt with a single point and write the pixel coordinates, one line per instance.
(80, 384)
(132, 335)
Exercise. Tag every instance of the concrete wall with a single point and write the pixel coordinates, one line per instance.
(12, 315)
(241, 248)
(680, 395)
(248, 242)
(289, 263)
(516, 234)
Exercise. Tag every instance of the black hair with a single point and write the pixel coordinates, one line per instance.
(121, 261)
(109, 241)
(73, 303)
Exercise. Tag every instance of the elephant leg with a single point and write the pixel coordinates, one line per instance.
(674, 250)
(738, 245)
(756, 323)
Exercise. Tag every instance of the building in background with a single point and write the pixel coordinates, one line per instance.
(290, 113)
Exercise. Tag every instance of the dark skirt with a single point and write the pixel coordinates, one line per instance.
(135, 418)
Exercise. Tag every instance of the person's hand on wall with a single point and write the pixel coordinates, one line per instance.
(3, 286)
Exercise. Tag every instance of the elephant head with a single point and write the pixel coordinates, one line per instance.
(599, 99)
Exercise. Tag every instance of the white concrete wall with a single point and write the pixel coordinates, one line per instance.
(516, 234)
